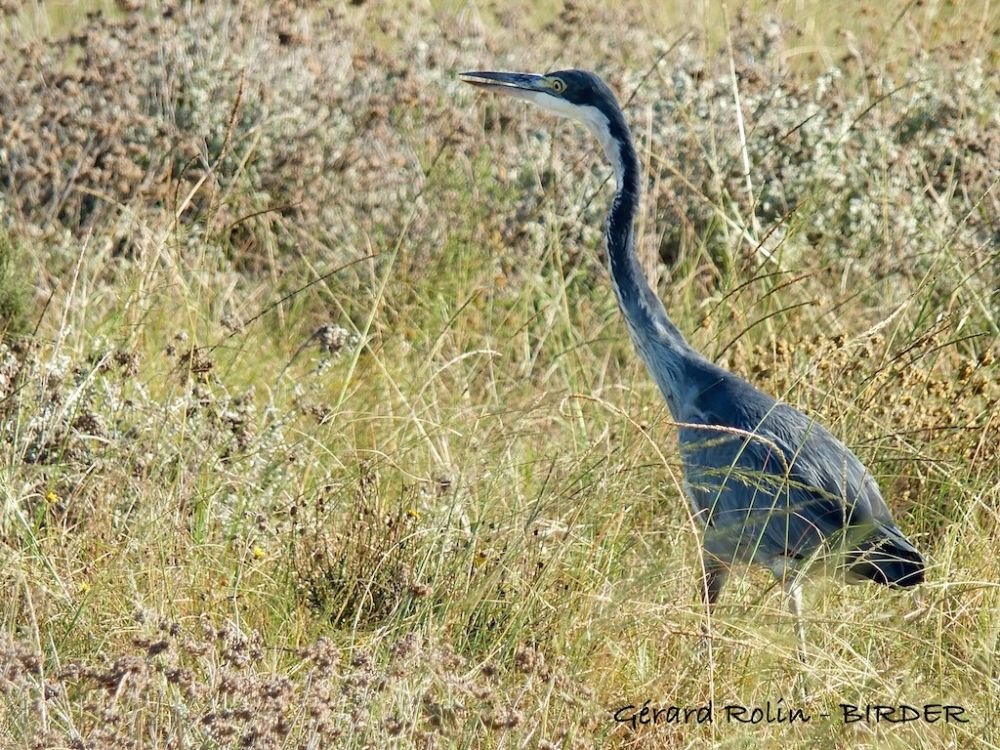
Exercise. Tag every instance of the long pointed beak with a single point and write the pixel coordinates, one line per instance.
(513, 84)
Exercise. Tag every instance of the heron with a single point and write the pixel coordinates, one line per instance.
(769, 485)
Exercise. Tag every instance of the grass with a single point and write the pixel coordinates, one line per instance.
(330, 434)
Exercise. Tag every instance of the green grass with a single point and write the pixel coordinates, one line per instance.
(14, 291)
(262, 490)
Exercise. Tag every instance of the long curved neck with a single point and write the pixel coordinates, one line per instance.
(656, 338)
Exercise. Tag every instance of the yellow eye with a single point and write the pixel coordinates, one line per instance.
(558, 85)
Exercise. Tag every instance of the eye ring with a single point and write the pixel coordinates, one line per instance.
(558, 85)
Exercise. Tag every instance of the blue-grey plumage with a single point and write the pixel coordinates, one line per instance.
(770, 486)
(784, 492)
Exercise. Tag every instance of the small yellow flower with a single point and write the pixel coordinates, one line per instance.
(413, 513)
(258, 552)
(51, 497)
(84, 587)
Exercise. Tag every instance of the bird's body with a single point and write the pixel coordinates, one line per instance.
(769, 485)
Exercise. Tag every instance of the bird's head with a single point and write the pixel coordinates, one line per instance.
(567, 93)
(577, 94)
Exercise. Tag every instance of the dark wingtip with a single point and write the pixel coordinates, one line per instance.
(890, 562)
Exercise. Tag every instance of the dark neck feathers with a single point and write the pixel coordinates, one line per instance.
(656, 338)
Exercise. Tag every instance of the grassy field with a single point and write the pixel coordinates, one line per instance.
(320, 424)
